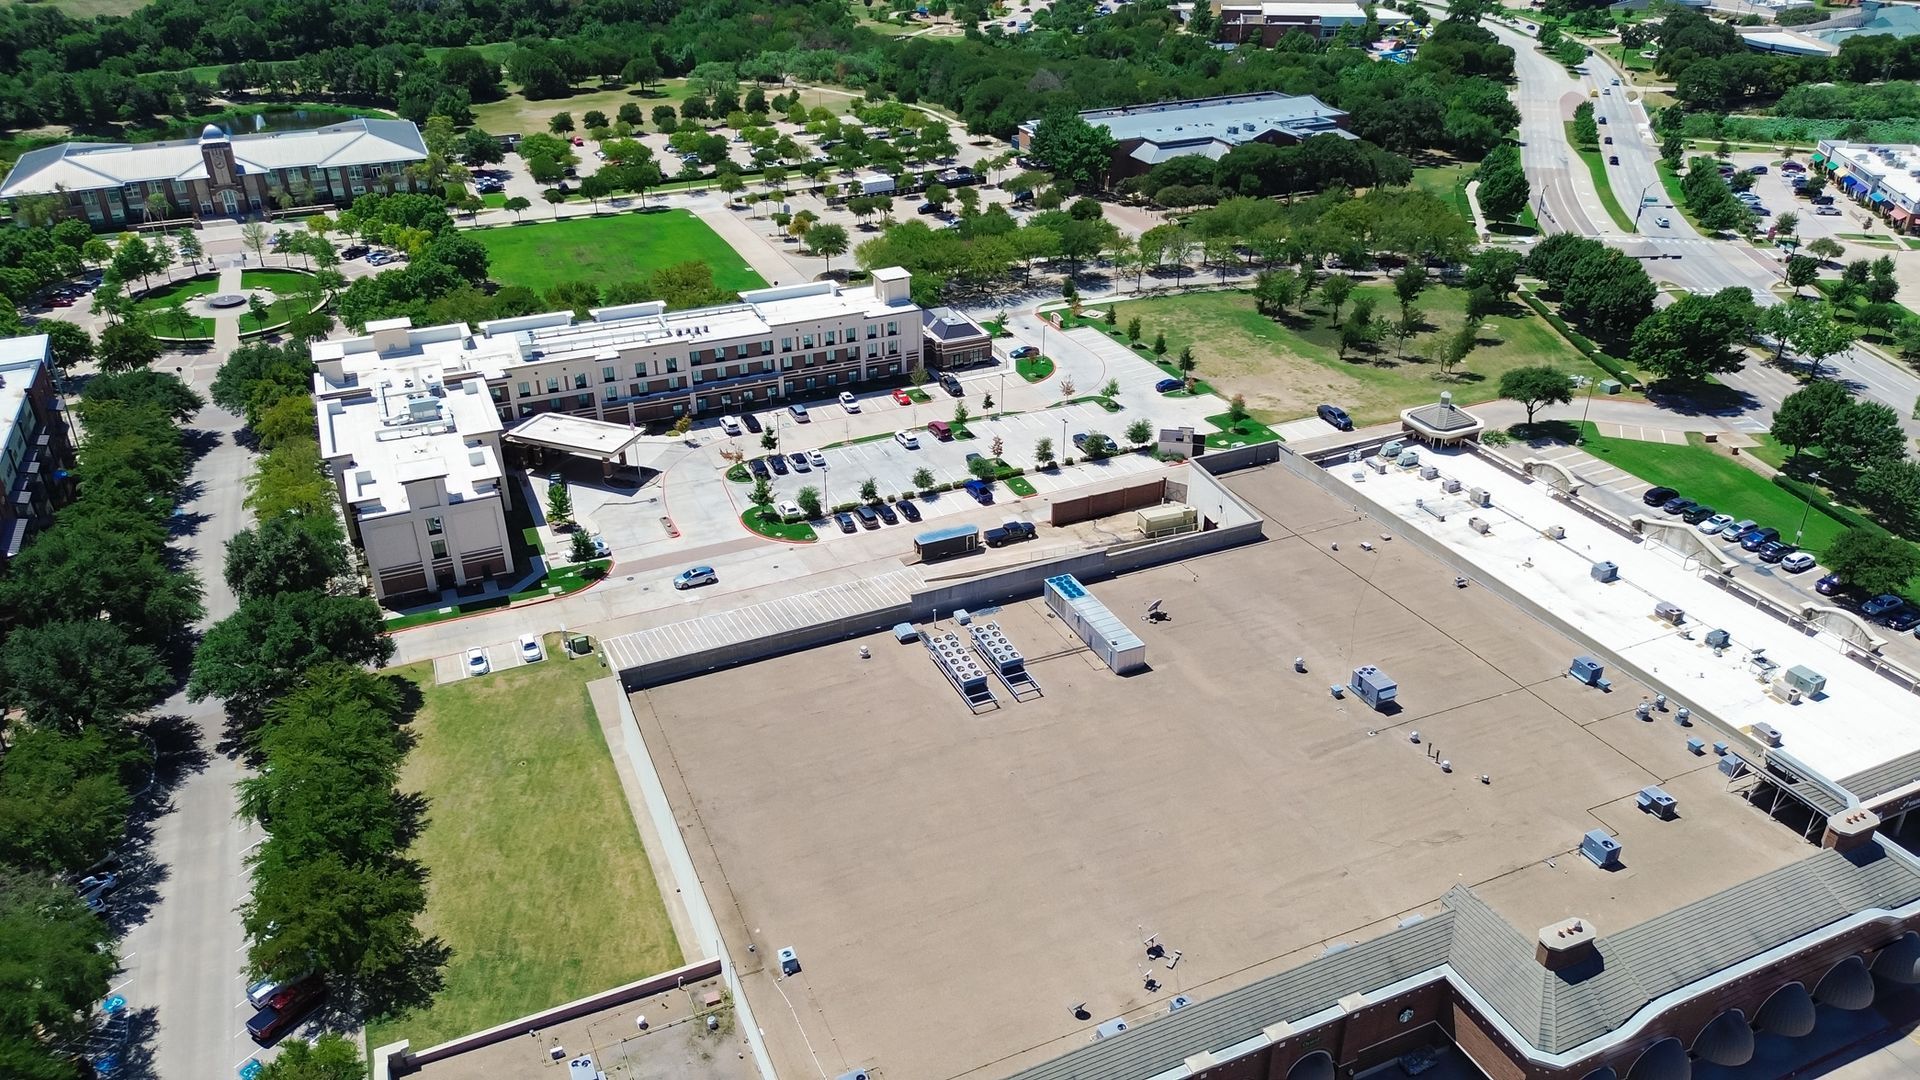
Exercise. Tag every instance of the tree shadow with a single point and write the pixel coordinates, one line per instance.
(198, 442)
(1702, 399)
(1546, 433)
(409, 983)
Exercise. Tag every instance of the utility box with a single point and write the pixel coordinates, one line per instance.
(1373, 686)
(1610, 386)
(1805, 679)
(1109, 1029)
(1480, 497)
(1600, 849)
(1696, 746)
(1604, 571)
(1718, 639)
(1588, 670)
(578, 645)
(1669, 613)
(1392, 448)
(1767, 734)
(1657, 802)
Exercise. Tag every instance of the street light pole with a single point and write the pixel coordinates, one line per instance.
(1814, 478)
(1643, 204)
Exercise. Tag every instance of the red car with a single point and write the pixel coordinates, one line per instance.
(902, 397)
(578, 141)
(286, 1009)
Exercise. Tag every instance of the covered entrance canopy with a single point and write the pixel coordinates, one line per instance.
(612, 445)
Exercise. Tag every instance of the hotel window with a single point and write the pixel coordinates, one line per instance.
(678, 408)
(606, 374)
(893, 348)
(584, 401)
(673, 364)
(640, 371)
(439, 549)
(553, 384)
(435, 526)
(873, 349)
(873, 331)
(833, 338)
(580, 381)
(806, 341)
(766, 347)
(786, 344)
(633, 389)
(786, 363)
(852, 332)
(525, 390)
(613, 393)
(893, 329)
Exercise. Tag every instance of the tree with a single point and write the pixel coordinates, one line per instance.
(254, 235)
(1335, 291)
(1891, 489)
(64, 797)
(144, 387)
(296, 915)
(1140, 432)
(1872, 562)
(827, 240)
(103, 559)
(580, 549)
(56, 960)
(330, 1057)
(1801, 272)
(284, 554)
(73, 675)
(983, 468)
(1536, 386)
(1042, 453)
(762, 494)
(1695, 336)
(1408, 286)
(1825, 247)
(560, 123)
(809, 499)
(257, 653)
(1098, 446)
(190, 250)
(1273, 292)
(1072, 149)
(554, 197)
(258, 311)
(127, 345)
(923, 478)
(869, 489)
(516, 204)
(730, 183)
(960, 413)
(559, 504)
(1803, 416)
(1809, 327)
(1862, 436)
(1159, 343)
(1503, 190)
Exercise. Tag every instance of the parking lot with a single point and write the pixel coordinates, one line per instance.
(1776, 193)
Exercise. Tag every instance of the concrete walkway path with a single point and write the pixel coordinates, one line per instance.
(226, 327)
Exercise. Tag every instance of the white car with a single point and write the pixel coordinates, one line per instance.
(477, 662)
(1662, 222)
(849, 402)
(1797, 563)
(1714, 524)
(789, 510)
(906, 439)
(530, 650)
(818, 459)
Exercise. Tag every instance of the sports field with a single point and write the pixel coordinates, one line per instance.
(621, 247)
(536, 876)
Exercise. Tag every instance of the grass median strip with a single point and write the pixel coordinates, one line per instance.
(767, 523)
(1597, 165)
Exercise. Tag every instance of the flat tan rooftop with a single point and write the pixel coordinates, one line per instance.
(955, 884)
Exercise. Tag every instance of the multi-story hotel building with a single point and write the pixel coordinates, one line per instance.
(36, 448)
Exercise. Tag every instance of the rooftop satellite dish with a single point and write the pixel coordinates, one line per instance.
(1153, 607)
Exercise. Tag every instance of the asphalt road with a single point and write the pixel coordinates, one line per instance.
(1675, 253)
(184, 953)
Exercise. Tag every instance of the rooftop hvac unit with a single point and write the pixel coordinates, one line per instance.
(1805, 679)
(1109, 1029)
(1409, 459)
(1479, 497)
(1180, 1001)
(1696, 746)
(1767, 734)
(1377, 464)
(1429, 472)
(1590, 671)
(1602, 850)
(1656, 802)
(1731, 765)
(857, 1074)
(1392, 448)
(1785, 691)
(1671, 613)
(1450, 485)
(1718, 639)
(1605, 571)
(1373, 686)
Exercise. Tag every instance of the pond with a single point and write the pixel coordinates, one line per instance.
(243, 121)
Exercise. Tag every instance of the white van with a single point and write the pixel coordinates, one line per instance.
(730, 425)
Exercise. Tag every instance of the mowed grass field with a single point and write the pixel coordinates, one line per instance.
(87, 9)
(621, 247)
(537, 878)
(1720, 482)
(1287, 368)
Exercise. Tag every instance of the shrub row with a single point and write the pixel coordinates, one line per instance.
(1587, 348)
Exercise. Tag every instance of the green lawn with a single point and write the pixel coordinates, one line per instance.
(157, 301)
(1597, 165)
(516, 114)
(494, 200)
(1719, 481)
(609, 249)
(1021, 486)
(1287, 368)
(537, 879)
(1448, 182)
(283, 282)
(1245, 432)
(1034, 368)
(762, 520)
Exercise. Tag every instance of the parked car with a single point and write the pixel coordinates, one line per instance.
(849, 402)
(1829, 585)
(908, 509)
(1826, 211)
(1168, 386)
(868, 519)
(901, 397)
(950, 384)
(1698, 514)
(1797, 563)
(477, 662)
(752, 422)
(1657, 496)
(778, 463)
(799, 462)
(1336, 416)
(981, 491)
(906, 439)
(844, 520)
(1021, 352)
(1903, 618)
(1739, 529)
(1079, 440)
(1677, 505)
(531, 651)
(1010, 532)
(94, 888)
(1880, 605)
(818, 459)
(1609, 140)
(799, 412)
(601, 549)
(886, 513)
(354, 251)
(262, 991)
(1758, 170)
(695, 577)
(286, 1009)
(758, 467)
(1759, 538)
(788, 510)
(1774, 551)
(1714, 524)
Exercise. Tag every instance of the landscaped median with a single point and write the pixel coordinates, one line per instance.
(1597, 165)
(768, 523)
(567, 579)
(1034, 368)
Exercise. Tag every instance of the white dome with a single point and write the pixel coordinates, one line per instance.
(213, 133)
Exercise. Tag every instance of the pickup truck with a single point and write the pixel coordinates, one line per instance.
(1010, 532)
